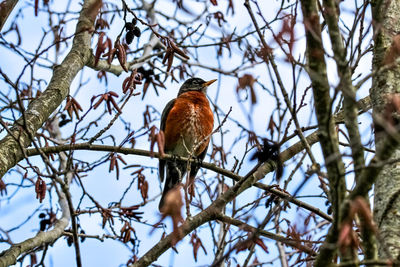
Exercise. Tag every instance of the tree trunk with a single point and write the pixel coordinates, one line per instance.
(386, 16)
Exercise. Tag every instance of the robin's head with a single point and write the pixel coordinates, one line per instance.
(195, 84)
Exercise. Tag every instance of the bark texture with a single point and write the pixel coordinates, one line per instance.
(6, 7)
(386, 15)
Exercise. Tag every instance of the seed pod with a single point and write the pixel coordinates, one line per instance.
(134, 21)
(137, 32)
(121, 56)
(70, 241)
(112, 93)
(129, 37)
(129, 26)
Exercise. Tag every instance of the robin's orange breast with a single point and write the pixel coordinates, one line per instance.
(188, 123)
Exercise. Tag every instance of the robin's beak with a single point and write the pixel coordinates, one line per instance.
(208, 83)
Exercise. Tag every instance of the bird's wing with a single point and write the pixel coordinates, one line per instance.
(164, 115)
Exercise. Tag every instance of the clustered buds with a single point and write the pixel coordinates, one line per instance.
(196, 243)
(119, 50)
(121, 54)
(150, 78)
(101, 24)
(132, 31)
(72, 106)
(107, 217)
(158, 138)
(109, 99)
(172, 48)
(249, 242)
(143, 185)
(40, 189)
(131, 212)
(130, 82)
(101, 48)
(114, 157)
(126, 232)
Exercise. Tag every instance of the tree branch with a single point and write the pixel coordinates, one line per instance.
(215, 208)
(41, 107)
(327, 133)
(285, 155)
(350, 115)
(287, 241)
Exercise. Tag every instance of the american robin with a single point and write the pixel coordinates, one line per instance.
(187, 122)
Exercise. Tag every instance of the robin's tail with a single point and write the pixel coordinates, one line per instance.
(175, 172)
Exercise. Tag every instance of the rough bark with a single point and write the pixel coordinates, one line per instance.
(6, 7)
(386, 15)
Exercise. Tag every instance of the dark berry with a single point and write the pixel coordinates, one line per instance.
(129, 37)
(329, 211)
(83, 237)
(129, 26)
(70, 241)
(136, 32)
(43, 224)
(134, 21)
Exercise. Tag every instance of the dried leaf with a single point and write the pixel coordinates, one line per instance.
(172, 207)
(247, 81)
(259, 242)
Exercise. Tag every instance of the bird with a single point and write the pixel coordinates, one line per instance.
(187, 122)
